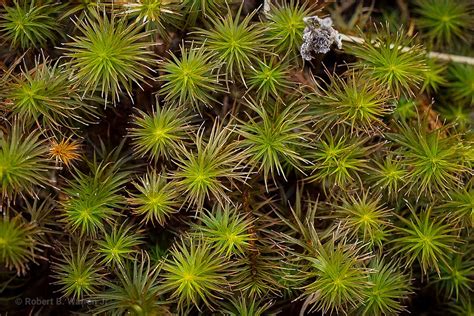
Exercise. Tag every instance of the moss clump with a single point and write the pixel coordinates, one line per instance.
(165, 157)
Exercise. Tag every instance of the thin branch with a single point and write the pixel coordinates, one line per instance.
(266, 6)
(435, 55)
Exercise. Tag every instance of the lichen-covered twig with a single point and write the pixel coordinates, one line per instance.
(319, 35)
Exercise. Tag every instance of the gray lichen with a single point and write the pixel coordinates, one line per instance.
(318, 37)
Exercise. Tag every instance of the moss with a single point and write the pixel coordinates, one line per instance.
(164, 157)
